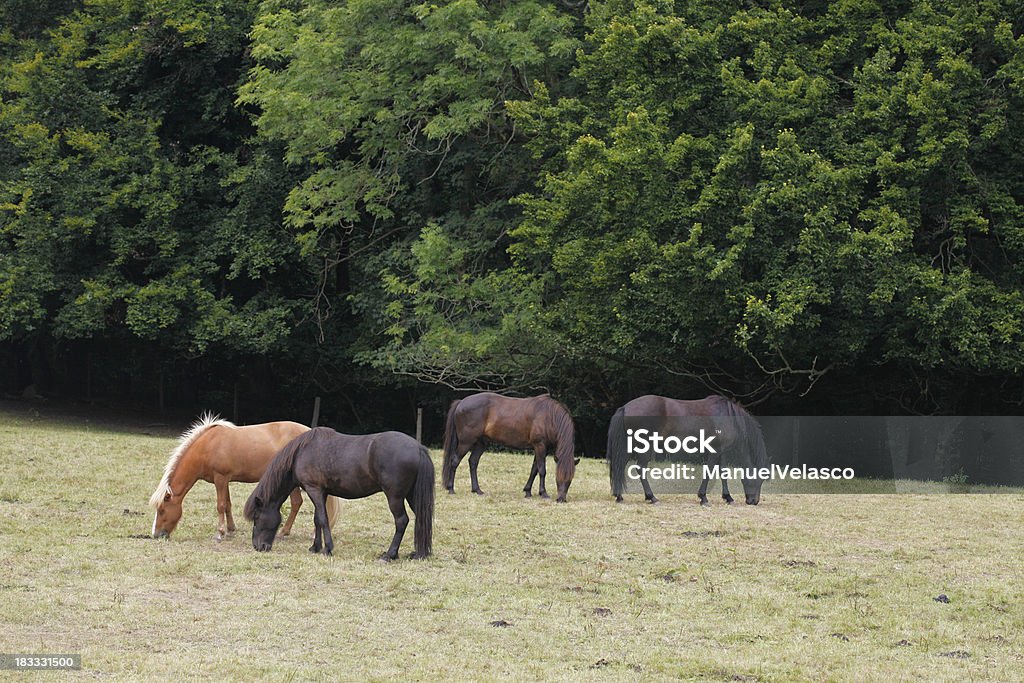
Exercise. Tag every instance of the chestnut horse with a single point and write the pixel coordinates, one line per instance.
(219, 452)
(539, 423)
(738, 428)
(326, 463)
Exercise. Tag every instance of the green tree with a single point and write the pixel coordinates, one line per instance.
(755, 197)
(132, 202)
(395, 116)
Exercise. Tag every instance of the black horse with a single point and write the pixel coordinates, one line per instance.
(326, 463)
(539, 423)
(737, 427)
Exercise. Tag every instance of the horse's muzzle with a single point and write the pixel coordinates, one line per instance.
(163, 533)
(753, 500)
(261, 547)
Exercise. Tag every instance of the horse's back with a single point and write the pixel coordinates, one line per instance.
(356, 466)
(652, 405)
(242, 453)
(506, 420)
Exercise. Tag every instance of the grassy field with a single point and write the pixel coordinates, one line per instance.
(802, 587)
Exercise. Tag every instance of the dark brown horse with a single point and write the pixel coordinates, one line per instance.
(326, 463)
(540, 423)
(737, 428)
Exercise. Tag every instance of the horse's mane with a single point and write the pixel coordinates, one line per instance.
(750, 430)
(280, 469)
(565, 433)
(206, 421)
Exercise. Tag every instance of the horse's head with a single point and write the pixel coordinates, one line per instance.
(266, 518)
(168, 513)
(563, 476)
(752, 490)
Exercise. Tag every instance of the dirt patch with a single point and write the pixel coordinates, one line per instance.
(793, 564)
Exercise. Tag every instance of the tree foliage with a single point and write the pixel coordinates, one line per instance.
(816, 204)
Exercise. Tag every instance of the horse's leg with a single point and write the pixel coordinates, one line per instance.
(702, 492)
(539, 454)
(528, 488)
(319, 500)
(542, 467)
(648, 493)
(397, 505)
(223, 505)
(296, 503)
(227, 509)
(460, 453)
(725, 491)
(474, 460)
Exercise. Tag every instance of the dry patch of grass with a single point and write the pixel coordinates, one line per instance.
(802, 587)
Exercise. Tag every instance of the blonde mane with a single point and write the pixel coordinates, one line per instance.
(198, 427)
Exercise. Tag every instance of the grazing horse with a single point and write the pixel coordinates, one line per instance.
(325, 463)
(738, 429)
(219, 452)
(540, 423)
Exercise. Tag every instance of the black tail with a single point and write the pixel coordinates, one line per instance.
(616, 452)
(423, 504)
(451, 445)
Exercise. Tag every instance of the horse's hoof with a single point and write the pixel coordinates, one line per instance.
(384, 557)
(417, 556)
(527, 494)
(705, 504)
(544, 495)
(618, 499)
(314, 549)
(560, 499)
(729, 502)
(285, 533)
(652, 500)
(219, 537)
(479, 492)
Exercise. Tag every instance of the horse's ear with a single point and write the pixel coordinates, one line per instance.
(577, 461)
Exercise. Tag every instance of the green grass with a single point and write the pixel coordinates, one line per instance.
(803, 587)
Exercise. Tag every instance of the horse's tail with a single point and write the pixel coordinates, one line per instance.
(423, 504)
(451, 446)
(616, 452)
(750, 431)
(333, 508)
(277, 476)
